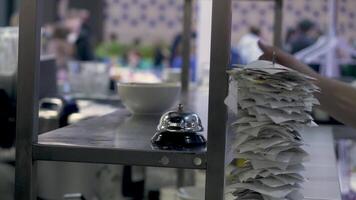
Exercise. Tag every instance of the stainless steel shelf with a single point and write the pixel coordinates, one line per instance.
(122, 138)
(116, 138)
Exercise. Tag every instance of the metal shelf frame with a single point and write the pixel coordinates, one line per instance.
(115, 138)
(29, 151)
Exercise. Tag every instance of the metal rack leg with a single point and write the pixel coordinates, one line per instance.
(27, 99)
(278, 22)
(185, 95)
(218, 87)
(180, 178)
(186, 38)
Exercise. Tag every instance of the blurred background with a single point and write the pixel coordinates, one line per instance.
(88, 46)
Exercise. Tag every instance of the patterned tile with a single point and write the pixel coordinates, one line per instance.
(152, 19)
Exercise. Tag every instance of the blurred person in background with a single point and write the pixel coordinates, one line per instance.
(160, 55)
(291, 36)
(59, 45)
(134, 56)
(175, 50)
(247, 46)
(307, 34)
(77, 22)
(176, 56)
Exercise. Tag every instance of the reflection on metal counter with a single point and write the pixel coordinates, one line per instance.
(49, 114)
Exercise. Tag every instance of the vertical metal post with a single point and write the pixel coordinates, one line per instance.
(180, 177)
(218, 89)
(27, 99)
(278, 22)
(185, 75)
(330, 62)
(186, 37)
(3, 13)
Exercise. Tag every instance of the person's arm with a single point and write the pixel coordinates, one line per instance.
(336, 98)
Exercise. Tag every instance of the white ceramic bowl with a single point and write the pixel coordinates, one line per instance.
(149, 98)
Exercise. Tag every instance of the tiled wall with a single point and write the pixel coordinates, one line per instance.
(155, 20)
(150, 20)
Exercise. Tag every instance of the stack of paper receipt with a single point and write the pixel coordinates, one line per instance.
(273, 104)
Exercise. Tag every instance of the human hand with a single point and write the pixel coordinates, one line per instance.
(284, 59)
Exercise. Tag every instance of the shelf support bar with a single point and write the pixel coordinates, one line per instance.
(186, 38)
(218, 89)
(27, 99)
(278, 23)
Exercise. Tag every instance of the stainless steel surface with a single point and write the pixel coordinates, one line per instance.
(27, 94)
(117, 138)
(321, 170)
(180, 121)
(186, 39)
(218, 89)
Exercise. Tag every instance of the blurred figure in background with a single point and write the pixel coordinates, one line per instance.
(160, 55)
(80, 34)
(306, 35)
(291, 36)
(134, 55)
(176, 56)
(60, 47)
(175, 50)
(76, 20)
(248, 45)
